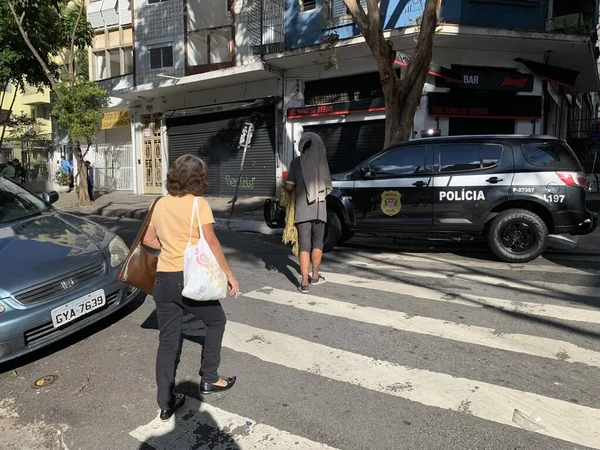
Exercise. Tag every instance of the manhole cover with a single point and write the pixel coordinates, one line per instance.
(44, 381)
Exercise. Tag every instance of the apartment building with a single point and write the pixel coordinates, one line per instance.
(198, 74)
(34, 151)
(201, 67)
(498, 68)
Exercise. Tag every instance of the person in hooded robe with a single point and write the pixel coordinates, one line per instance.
(310, 176)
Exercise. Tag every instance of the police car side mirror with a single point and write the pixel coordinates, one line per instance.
(366, 172)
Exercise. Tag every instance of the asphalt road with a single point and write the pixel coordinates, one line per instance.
(406, 346)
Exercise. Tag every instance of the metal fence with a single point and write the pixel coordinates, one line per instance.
(113, 167)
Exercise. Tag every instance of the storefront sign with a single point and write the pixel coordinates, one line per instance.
(115, 119)
(337, 109)
(491, 106)
(486, 80)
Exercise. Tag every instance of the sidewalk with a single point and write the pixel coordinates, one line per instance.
(248, 214)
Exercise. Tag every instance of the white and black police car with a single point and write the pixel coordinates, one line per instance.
(512, 190)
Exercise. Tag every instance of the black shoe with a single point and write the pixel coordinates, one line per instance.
(166, 414)
(303, 288)
(209, 388)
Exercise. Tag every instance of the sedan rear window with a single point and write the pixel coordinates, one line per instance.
(551, 155)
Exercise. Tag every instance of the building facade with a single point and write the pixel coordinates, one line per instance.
(33, 146)
(200, 68)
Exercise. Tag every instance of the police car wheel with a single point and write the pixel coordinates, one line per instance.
(517, 235)
(333, 231)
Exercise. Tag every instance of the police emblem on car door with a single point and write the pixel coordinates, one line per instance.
(391, 202)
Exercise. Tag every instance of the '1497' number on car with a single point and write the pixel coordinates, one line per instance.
(554, 198)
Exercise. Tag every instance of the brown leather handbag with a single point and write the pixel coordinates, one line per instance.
(139, 269)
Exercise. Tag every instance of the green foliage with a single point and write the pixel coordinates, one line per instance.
(61, 178)
(77, 108)
(23, 127)
(17, 64)
(49, 25)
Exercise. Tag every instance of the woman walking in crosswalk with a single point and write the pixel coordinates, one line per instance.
(169, 231)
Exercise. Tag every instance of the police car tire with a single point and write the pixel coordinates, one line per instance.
(523, 215)
(333, 231)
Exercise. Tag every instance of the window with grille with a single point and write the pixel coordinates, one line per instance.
(307, 5)
(161, 57)
(338, 8)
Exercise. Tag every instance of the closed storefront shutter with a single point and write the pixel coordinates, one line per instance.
(215, 138)
(348, 144)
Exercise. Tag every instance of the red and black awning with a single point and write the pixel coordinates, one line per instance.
(402, 59)
(559, 75)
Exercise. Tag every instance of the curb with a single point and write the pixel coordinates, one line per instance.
(250, 226)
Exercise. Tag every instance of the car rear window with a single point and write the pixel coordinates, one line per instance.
(551, 155)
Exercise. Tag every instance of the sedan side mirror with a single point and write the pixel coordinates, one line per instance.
(50, 197)
(366, 172)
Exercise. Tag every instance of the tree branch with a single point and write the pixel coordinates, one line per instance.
(19, 22)
(72, 48)
(419, 63)
(359, 15)
(374, 14)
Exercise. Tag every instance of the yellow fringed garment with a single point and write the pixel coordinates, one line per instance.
(287, 199)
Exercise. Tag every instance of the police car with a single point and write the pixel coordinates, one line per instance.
(512, 190)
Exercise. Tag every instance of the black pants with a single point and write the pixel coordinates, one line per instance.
(170, 306)
(91, 192)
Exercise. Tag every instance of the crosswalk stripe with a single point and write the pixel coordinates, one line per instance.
(425, 256)
(527, 308)
(180, 432)
(562, 420)
(389, 261)
(487, 337)
(533, 286)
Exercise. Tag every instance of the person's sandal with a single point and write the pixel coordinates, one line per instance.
(315, 281)
(303, 288)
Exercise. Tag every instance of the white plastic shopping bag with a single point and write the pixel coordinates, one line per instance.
(203, 278)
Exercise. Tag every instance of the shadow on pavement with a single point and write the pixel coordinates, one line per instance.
(189, 428)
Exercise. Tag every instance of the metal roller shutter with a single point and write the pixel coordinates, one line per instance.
(348, 144)
(215, 139)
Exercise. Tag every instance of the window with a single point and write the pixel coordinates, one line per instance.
(551, 155)
(161, 57)
(43, 112)
(127, 60)
(156, 1)
(17, 203)
(338, 8)
(307, 5)
(114, 56)
(491, 154)
(457, 157)
(399, 162)
(101, 71)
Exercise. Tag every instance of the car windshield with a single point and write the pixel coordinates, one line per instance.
(17, 203)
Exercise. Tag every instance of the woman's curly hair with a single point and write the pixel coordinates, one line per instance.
(187, 175)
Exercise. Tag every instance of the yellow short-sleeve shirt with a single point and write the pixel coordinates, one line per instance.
(171, 220)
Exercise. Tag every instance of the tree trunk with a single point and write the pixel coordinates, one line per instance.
(12, 105)
(401, 97)
(82, 194)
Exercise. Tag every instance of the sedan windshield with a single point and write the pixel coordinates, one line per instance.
(17, 203)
